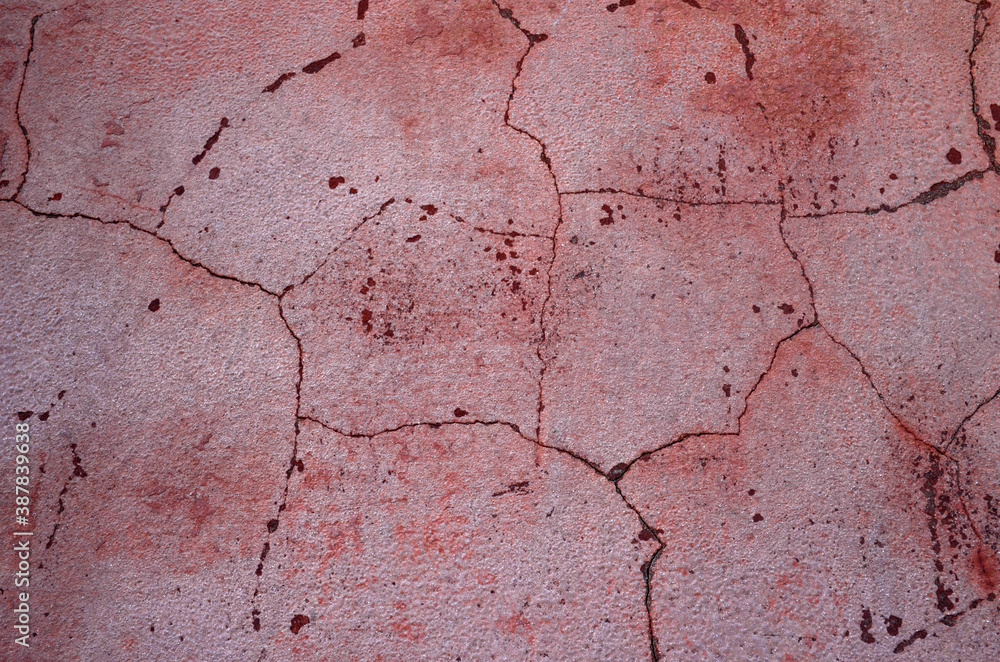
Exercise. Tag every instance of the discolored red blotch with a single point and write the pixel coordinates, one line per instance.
(864, 524)
(161, 456)
(527, 552)
(887, 284)
(425, 319)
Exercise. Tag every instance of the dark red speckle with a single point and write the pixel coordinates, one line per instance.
(336, 181)
(892, 625)
(298, 622)
(710, 78)
(459, 412)
(359, 40)
(757, 518)
(412, 239)
(362, 9)
(154, 305)
(214, 173)
(317, 66)
(954, 156)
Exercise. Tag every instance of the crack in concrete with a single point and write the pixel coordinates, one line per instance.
(647, 570)
(979, 25)
(935, 192)
(676, 201)
(350, 235)
(497, 233)
(293, 463)
(78, 472)
(17, 106)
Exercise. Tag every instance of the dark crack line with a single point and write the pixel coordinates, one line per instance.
(508, 14)
(744, 40)
(17, 107)
(969, 417)
(935, 192)
(78, 472)
(293, 463)
(647, 574)
(618, 475)
(795, 256)
(979, 25)
(675, 201)
(438, 424)
(151, 233)
(350, 235)
(512, 233)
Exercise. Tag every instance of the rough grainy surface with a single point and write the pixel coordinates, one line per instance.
(458, 541)
(476, 330)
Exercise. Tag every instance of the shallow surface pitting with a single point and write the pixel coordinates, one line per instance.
(383, 330)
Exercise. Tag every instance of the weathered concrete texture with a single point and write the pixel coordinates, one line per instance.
(985, 61)
(822, 531)
(457, 542)
(15, 28)
(916, 296)
(422, 318)
(663, 317)
(721, 99)
(467, 330)
(264, 164)
(416, 111)
(161, 406)
(976, 449)
(121, 98)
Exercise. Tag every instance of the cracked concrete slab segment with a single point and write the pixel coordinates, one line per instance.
(15, 42)
(415, 112)
(823, 530)
(728, 100)
(421, 317)
(916, 296)
(663, 317)
(162, 405)
(122, 97)
(458, 541)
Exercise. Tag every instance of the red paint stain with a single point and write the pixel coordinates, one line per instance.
(985, 568)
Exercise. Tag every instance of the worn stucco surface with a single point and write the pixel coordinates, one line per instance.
(472, 330)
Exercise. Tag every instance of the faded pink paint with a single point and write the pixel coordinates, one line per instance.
(159, 438)
(651, 298)
(916, 296)
(814, 528)
(842, 97)
(427, 543)
(419, 317)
